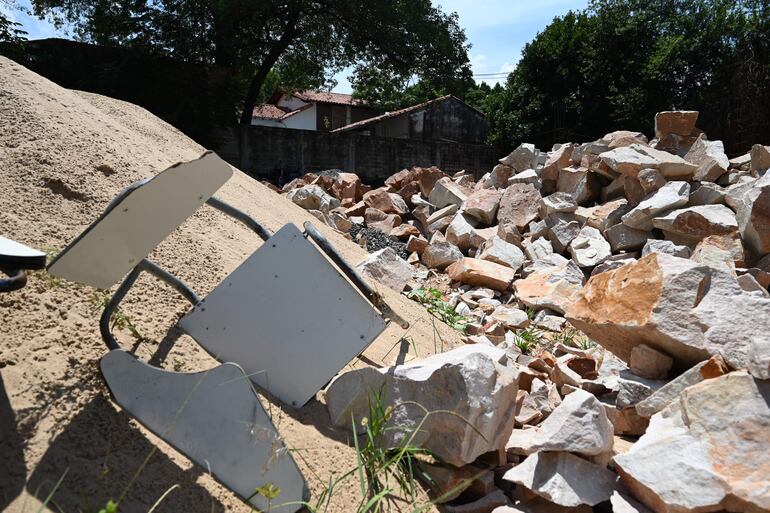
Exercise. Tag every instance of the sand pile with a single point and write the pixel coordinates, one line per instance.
(63, 156)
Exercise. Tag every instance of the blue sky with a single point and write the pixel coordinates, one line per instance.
(496, 29)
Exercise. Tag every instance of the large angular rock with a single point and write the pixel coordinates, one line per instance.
(624, 238)
(627, 161)
(427, 178)
(579, 424)
(603, 216)
(760, 159)
(677, 122)
(667, 247)
(687, 310)
(386, 267)
(562, 232)
(558, 202)
(446, 192)
(460, 231)
(556, 161)
(388, 202)
(500, 175)
(523, 157)
(580, 183)
(555, 287)
(482, 205)
(469, 381)
(589, 248)
(759, 358)
(752, 211)
(500, 252)
(440, 255)
(519, 205)
(670, 165)
(706, 451)
(313, 197)
(671, 195)
(563, 478)
(481, 273)
(692, 224)
(710, 158)
(633, 389)
(665, 395)
(537, 249)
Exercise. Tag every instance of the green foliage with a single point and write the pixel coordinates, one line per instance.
(439, 308)
(569, 336)
(527, 339)
(281, 43)
(119, 319)
(617, 63)
(9, 30)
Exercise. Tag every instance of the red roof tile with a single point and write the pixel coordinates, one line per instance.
(325, 97)
(268, 111)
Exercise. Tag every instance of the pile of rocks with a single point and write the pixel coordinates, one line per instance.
(658, 251)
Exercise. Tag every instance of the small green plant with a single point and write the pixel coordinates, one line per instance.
(527, 339)
(269, 491)
(573, 338)
(439, 308)
(119, 318)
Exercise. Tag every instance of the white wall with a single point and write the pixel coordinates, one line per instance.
(305, 120)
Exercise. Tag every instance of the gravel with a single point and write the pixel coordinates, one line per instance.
(377, 240)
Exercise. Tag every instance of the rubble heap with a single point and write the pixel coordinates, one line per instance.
(614, 296)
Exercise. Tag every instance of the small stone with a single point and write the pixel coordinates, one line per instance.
(556, 203)
(511, 318)
(313, 197)
(388, 202)
(440, 255)
(416, 244)
(634, 389)
(500, 252)
(481, 273)
(460, 231)
(561, 232)
(666, 247)
(651, 180)
(650, 363)
(589, 248)
(623, 238)
(554, 287)
(523, 157)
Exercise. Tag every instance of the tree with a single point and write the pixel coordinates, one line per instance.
(9, 29)
(617, 63)
(299, 41)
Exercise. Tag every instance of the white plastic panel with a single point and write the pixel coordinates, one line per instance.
(138, 220)
(287, 316)
(15, 255)
(215, 419)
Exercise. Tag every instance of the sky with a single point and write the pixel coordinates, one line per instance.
(496, 29)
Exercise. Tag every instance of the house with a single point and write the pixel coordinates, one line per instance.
(311, 110)
(442, 119)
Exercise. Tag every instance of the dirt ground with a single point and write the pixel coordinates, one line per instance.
(63, 156)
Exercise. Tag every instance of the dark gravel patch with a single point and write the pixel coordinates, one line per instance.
(377, 240)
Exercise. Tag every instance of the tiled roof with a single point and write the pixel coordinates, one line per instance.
(324, 97)
(396, 113)
(268, 111)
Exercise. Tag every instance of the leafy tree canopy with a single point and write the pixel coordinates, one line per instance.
(618, 62)
(286, 43)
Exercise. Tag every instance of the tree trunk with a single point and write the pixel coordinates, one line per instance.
(280, 46)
